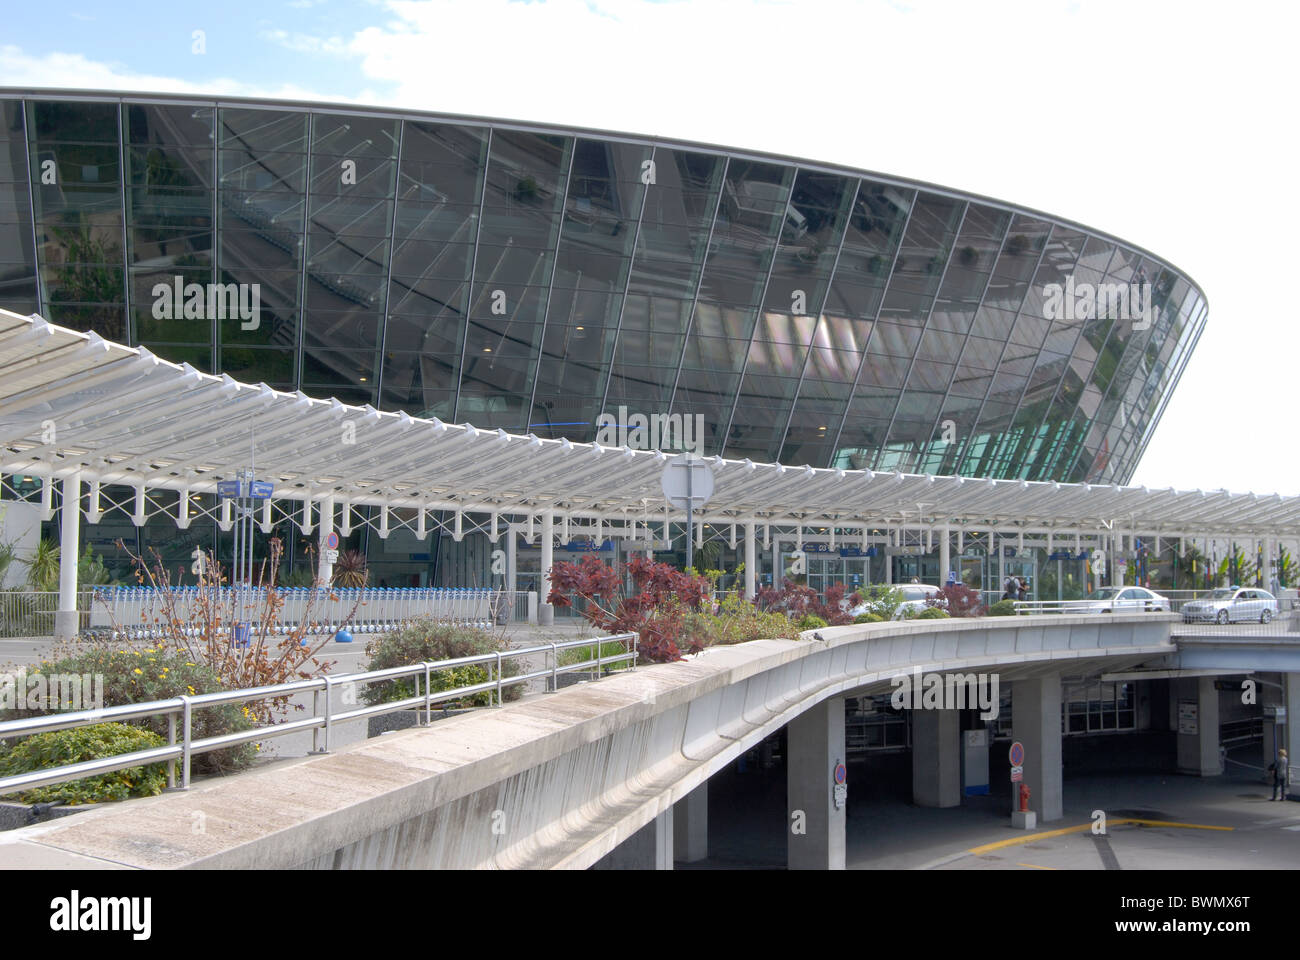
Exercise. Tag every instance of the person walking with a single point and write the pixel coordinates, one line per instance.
(1280, 769)
(1022, 589)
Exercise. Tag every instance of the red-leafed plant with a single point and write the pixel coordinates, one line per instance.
(797, 601)
(655, 609)
(959, 600)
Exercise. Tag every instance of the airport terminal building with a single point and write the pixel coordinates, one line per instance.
(536, 279)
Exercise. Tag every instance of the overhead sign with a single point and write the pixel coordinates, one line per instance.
(1016, 754)
(687, 482)
(261, 490)
(229, 488)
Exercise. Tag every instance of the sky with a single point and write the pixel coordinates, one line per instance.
(1167, 124)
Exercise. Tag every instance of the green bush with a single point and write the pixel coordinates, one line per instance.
(1003, 608)
(809, 622)
(738, 620)
(882, 600)
(141, 674)
(44, 750)
(868, 618)
(433, 640)
(929, 613)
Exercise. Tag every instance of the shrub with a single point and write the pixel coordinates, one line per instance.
(929, 613)
(797, 600)
(43, 750)
(883, 601)
(199, 625)
(138, 674)
(1003, 608)
(809, 622)
(656, 609)
(434, 640)
(868, 618)
(958, 600)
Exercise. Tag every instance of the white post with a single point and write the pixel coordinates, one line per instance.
(945, 559)
(546, 612)
(66, 623)
(751, 561)
(512, 551)
(325, 568)
(1117, 544)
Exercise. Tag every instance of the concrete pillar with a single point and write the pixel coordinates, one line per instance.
(936, 758)
(545, 611)
(888, 561)
(1116, 544)
(66, 621)
(945, 558)
(691, 825)
(815, 744)
(512, 561)
(650, 848)
(1198, 728)
(1036, 723)
(326, 527)
(751, 562)
(1291, 729)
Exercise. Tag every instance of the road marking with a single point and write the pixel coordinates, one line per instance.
(1015, 841)
(1034, 866)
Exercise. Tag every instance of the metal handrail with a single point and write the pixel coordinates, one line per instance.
(184, 706)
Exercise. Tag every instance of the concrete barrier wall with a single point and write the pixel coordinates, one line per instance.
(557, 780)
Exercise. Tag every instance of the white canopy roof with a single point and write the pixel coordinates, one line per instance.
(73, 402)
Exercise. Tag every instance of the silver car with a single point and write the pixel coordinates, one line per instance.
(1230, 604)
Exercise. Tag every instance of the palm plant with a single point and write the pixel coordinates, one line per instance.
(43, 566)
(350, 570)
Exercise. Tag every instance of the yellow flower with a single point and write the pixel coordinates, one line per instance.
(138, 670)
(162, 676)
(190, 689)
(188, 664)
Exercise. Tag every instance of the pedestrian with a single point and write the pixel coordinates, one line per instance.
(1279, 776)
(1022, 589)
(1009, 591)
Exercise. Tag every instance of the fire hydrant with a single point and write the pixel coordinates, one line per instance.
(1024, 798)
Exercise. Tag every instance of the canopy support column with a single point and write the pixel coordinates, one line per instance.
(546, 612)
(66, 621)
(751, 562)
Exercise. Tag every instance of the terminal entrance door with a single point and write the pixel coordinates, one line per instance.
(924, 569)
(1025, 568)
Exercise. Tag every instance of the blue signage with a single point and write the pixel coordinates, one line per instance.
(588, 546)
(261, 490)
(228, 488)
(857, 552)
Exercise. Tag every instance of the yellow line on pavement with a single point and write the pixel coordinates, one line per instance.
(1048, 834)
(1034, 866)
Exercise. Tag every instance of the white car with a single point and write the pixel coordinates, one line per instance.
(1120, 600)
(1232, 603)
(915, 596)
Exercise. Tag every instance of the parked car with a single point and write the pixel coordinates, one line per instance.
(915, 596)
(1230, 604)
(1120, 600)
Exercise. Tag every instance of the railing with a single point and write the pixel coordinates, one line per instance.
(31, 613)
(179, 711)
(378, 609)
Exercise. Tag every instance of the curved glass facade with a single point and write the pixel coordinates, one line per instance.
(534, 278)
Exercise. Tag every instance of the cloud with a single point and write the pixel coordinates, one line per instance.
(76, 72)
